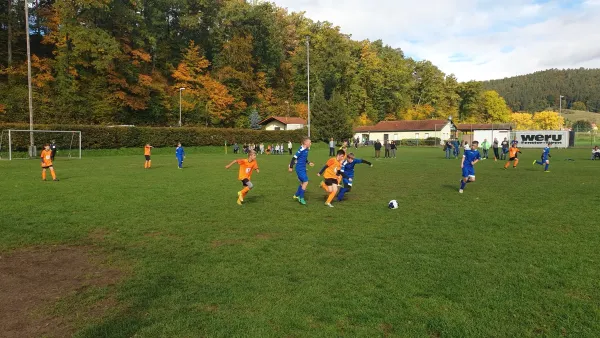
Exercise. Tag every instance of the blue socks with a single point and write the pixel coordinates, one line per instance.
(341, 194)
(299, 192)
(462, 184)
(547, 165)
(538, 162)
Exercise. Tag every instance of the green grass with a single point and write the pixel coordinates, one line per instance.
(515, 255)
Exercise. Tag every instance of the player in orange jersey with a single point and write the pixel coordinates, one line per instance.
(46, 157)
(147, 150)
(331, 172)
(245, 173)
(512, 156)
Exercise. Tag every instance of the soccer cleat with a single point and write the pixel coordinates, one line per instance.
(460, 191)
(533, 162)
(295, 197)
(329, 205)
(56, 179)
(240, 196)
(302, 201)
(546, 171)
(239, 202)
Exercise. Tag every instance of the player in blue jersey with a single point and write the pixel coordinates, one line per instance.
(467, 164)
(180, 155)
(300, 159)
(348, 169)
(545, 158)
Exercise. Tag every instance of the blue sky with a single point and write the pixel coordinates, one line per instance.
(474, 39)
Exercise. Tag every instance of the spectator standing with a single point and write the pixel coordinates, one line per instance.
(504, 146)
(393, 148)
(455, 147)
(290, 146)
(448, 147)
(331, 147)
(53, 149)
(377, 146)
(486, 148)
(495, 146)
(386, 144)
(236, 148)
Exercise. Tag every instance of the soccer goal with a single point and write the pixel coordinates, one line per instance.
(15, 144)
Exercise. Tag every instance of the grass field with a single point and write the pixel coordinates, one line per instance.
(515, 255)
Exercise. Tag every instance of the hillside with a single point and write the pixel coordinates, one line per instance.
(577, 115)
(541, 90)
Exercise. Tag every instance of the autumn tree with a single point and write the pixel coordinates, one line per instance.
(548, 120)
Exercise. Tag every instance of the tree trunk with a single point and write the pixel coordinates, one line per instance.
(9, 32)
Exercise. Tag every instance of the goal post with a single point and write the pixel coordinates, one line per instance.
(14, 143)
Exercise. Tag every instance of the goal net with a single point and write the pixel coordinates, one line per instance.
(15, 144)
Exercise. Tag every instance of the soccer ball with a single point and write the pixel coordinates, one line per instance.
(393, 204)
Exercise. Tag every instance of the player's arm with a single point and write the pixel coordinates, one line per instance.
(322, 170)
(462, 162)
(310, 163)
(292, 162)
(366, 162)
(230, 164)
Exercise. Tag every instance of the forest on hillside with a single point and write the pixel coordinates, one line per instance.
(124, 62)
(541, 90)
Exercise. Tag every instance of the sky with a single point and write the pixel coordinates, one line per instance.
(474, 39)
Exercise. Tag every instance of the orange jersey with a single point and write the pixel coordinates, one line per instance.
(333, 165)
(512, 152)
(147, 150)
(46, 156)
(246, 168)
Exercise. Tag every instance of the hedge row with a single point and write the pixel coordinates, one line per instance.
(103, 137)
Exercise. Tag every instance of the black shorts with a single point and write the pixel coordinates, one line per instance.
(147, 157)
(47, 167)
(331, 181)
(245, 182)
(512, 158)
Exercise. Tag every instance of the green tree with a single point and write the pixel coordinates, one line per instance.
(494, 108)
(578, 105)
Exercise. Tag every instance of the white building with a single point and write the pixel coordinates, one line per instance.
(283, 123)
(400, 130)
(481, 131)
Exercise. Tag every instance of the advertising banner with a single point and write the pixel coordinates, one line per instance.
(539, 138)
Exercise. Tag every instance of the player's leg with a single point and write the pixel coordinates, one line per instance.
(43, 174)
(507, 164)
(343, 190)
(324, 186)
(332, 192)
(515, 163)
(547, 162)
(53, 173)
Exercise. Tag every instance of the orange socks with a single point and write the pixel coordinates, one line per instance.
(515, 163)
(146, 165)
(149, 163)
(53, 174)
(44, 174)
(506, 165)
(245, 191)
(331, 196)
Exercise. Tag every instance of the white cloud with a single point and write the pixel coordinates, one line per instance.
(496, 38)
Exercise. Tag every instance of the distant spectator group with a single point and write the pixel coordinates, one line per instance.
(274, 149)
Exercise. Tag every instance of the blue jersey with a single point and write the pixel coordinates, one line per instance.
(179, 153)
(301, 159)
(348, 168)
(546, 153)
(470, 156)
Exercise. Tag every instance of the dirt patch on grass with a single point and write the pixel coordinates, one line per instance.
(32, 280)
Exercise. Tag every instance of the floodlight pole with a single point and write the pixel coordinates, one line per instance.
(560, 106)
(180, 90)
(31, 143)
(308, 79)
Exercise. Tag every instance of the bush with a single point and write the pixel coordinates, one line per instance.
(103, 137)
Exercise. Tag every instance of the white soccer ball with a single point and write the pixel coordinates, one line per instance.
(393, 204)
